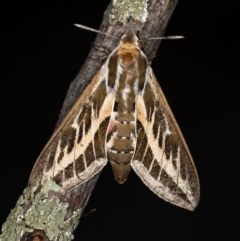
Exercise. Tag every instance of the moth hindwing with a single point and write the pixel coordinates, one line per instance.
(123, 117)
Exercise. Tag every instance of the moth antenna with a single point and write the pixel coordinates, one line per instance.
(93, 30)
(165, 37)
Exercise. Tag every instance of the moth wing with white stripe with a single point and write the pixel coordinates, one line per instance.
(162, 159)
(76, 151)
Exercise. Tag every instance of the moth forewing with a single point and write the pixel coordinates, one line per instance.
(162, 159)
(76, 150)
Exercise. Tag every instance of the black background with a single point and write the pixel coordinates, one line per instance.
(42, 53)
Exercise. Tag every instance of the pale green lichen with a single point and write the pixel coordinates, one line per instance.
(44, 214)
(123, 9)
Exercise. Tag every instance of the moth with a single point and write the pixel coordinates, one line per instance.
(121, 117)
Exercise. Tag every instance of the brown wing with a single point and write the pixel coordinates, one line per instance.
(76, 151)
(162, 159)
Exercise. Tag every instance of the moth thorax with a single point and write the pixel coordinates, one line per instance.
(127, 58)
(127, 61)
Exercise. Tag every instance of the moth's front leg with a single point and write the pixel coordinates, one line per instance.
(103, 50)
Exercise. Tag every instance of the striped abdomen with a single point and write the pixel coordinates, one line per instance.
(126, 79)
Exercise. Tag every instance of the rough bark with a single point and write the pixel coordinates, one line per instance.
(159, 13)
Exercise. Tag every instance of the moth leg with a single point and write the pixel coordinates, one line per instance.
(103, 50)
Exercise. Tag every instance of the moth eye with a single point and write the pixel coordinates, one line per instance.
(127, 58)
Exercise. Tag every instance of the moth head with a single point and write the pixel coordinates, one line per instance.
(129, 38)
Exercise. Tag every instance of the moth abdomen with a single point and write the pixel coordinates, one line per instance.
(121, 146)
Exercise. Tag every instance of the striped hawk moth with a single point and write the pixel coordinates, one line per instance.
(121, 117)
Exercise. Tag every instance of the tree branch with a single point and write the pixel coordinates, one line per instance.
(74, 201)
